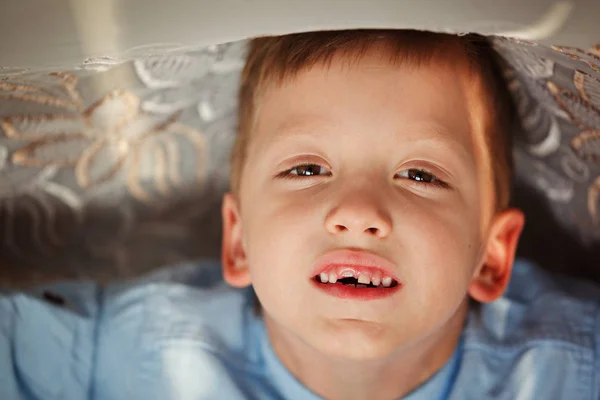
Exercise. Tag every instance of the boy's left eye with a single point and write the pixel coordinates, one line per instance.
(421, 176)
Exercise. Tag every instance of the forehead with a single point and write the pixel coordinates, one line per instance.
(373, 96)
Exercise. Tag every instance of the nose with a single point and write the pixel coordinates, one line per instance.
(359, 213)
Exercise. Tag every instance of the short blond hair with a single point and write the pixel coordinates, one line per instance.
(277, 58)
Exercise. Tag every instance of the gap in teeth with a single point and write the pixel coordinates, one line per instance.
(363, 280)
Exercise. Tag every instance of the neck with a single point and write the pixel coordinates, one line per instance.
(392, 377)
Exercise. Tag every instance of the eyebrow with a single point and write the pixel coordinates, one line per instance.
(440, 136)
(431, 133)
(437, 136)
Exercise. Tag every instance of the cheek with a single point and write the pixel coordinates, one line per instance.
(282, 241)
(441, 247)
(278, 234)
(277, 220)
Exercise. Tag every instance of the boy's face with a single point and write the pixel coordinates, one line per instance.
(368, 128)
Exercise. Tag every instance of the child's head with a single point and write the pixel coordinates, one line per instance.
(354, 143)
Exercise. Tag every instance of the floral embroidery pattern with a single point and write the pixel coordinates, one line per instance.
(590, 58)
(105, 155)
(559, 149)
(111, 136)
(583, 109)
(61, 93)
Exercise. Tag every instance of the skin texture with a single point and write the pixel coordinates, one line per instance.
(364, 125)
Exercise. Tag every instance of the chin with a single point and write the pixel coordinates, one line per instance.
(358, 340)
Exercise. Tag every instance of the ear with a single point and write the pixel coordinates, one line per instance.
(233, 254)
(493, 275)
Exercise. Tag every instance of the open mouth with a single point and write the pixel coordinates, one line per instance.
(355, 275)
(385, 283)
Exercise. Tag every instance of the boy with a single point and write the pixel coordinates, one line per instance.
(369, 214)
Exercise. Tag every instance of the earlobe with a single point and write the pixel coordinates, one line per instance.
(233, 254)
(493, 276)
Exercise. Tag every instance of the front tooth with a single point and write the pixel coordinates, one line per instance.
(376, 279)
(324, 277)
(332, 278)
(386, 281)
(364, 279)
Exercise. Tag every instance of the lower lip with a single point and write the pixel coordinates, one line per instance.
(353, 293)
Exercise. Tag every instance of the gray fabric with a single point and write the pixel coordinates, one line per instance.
(557, 154)
(115, 167)
(107, 172)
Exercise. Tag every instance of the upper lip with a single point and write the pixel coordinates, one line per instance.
(355, 258)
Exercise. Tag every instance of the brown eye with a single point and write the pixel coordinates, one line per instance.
(421, 176)
(308, 170)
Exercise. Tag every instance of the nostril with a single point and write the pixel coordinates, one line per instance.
(341, 228)
(372, 230)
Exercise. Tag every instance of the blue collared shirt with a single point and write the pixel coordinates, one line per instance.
(184, 334)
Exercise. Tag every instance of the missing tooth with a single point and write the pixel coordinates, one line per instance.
(354, 282)
(348, 281)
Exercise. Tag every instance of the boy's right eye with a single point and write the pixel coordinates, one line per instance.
(305, 170)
